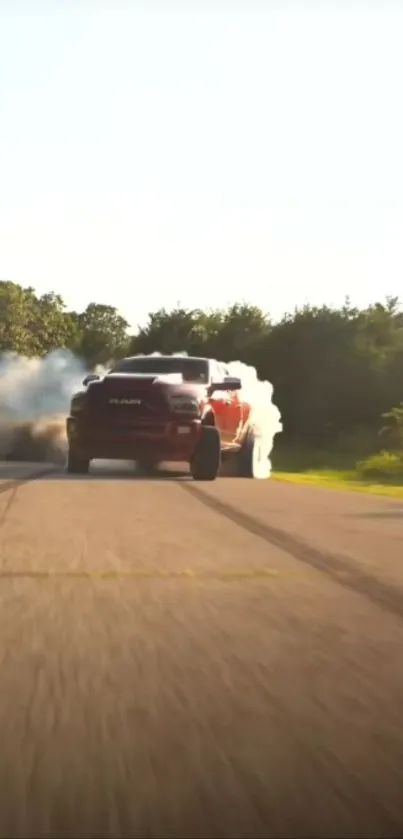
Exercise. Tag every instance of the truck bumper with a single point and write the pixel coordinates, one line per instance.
(160, 441)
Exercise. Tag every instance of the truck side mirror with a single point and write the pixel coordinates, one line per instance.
(92, 377)
(232, 383)
(229, 383)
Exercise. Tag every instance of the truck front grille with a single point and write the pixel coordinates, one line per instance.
(125, 408)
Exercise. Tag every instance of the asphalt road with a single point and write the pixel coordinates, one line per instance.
(187, 660)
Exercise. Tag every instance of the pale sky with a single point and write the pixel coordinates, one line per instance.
(202, 152)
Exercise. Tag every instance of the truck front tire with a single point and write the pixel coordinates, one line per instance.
(77, 465)
(205, 463)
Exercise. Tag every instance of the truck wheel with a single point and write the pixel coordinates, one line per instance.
(253, 460)
(230, 465)
(77, 465)
(205, 463)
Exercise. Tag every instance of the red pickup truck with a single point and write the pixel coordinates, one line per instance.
(157, 408)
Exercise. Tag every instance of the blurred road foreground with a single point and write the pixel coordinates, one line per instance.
(198, 660)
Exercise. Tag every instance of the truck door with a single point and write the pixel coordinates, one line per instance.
(234, 418)
(226, 405)
(219, 401)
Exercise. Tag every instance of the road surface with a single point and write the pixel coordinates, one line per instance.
(198, 660)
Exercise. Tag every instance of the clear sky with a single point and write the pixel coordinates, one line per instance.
(202, 152)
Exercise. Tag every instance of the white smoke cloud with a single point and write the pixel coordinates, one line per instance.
(265, 417)
(34, 401)
(31, 388)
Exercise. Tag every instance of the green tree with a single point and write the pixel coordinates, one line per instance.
(31, 325)
(240, 330)
(17, 307)
(52, 326)
(394, 425)
(166, 332)
(227, 334)
(103, 334)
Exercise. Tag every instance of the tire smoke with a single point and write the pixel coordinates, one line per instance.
(34, 401)
(264, 418)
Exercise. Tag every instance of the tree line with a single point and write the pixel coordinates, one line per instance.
(335, 371)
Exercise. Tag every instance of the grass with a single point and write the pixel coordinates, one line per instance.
(339, 480)
(377, 474)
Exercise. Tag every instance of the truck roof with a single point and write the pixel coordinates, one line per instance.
(166, 355)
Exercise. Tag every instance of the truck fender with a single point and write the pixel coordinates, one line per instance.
(208, 417)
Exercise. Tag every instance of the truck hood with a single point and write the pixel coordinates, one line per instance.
(145, 378)
(126, 384)
(153, 388)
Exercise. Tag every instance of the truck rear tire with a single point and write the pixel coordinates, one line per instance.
(253, 461)
(77, 465)
(205, 463)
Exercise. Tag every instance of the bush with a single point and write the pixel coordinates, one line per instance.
(383, 465)
(361, 442)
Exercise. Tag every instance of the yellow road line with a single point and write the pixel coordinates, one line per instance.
(147, 574)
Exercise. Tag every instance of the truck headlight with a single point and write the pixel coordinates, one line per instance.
(185, 405)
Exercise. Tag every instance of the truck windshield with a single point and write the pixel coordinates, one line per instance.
(192, 369)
